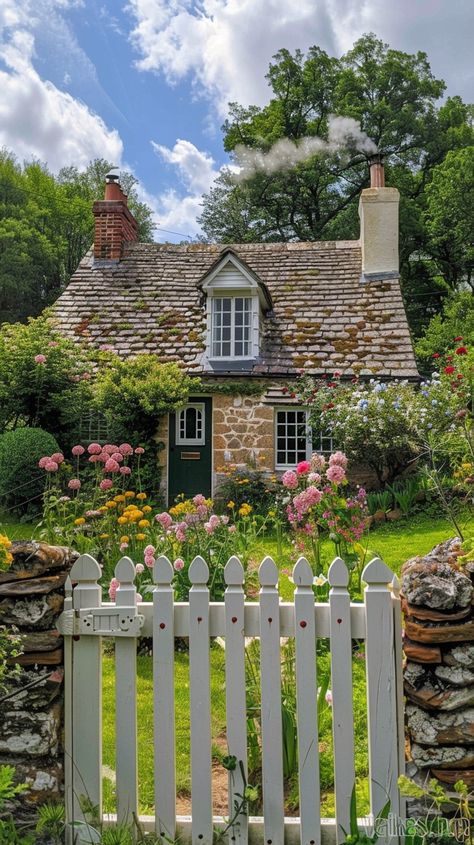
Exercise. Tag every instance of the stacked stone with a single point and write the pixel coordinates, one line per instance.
(31, 599)
(437, 601)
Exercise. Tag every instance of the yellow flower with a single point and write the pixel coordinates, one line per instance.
(79, 521)
(231, 504)
(119, 498)
(140, 536)
(271, 513)
(124, 538)
(103, 536)
(111, 504)
(144, 523)
(129, 494)
(122, 520)
(4, 541)
(245, 509)
(141, 495)
(146, 509)
(102, 508)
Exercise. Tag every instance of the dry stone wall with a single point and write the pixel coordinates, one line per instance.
(31, 719)
(437, 601)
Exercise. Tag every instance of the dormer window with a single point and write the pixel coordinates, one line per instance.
(236, 303)
(231, 335)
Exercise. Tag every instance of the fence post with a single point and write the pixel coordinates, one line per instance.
(342, 691)
(68, 725)
(398, 630)
(86, 693)
(381, 688)
(163, 690)
(200, 700)
(126, 702)
(236, 706)
(270, 682)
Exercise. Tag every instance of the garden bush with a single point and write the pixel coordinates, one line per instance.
(21, 482)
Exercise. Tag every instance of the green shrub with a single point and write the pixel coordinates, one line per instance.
(21, 480)
(245, 485)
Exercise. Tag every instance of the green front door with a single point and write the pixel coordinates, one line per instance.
(190, 450)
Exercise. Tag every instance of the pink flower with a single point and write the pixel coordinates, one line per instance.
(338, 459)
(149, 550)
(139, 450)
(199, 499)
(214, 520)
(111, 466)
(328, 697)
(232, 529)
(117, 456)
(94, 449)
(40, 359)
(202, 511)
(290, 480)
(149, 561)
(65, 499)
(113, 586)
(179, 564)
(58, 457)
(303, 467)
(361, 493)
(74, 484)
(103, 457)
(139, 568)
(53, 343)
(43, 461)
(123, 546)
(335, 474)
(164, 519)
(126, 449)
(314, 478)
(94, 459)
(51, 466)
(138, 598)
(109, 448)
(106, 484)
(125, 470)
(78, 450)
(180, 531)
(318, 462)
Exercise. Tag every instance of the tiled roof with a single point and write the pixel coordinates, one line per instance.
(325, 318)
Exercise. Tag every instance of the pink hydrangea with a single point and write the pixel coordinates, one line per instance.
(139, 568)
(103, 457)
(94, 459)
(43, 461)
(338, 459)
(113, 586)
(126, 449)
(202, 511)
(179, 564)
(199, 499)
(318, 462)
(78, 450)
(149, 550)
(58, 457)
(106, 484)
(289, 480)
(149, 561)
(303, 467)
(335, 474)
(51, 466)
(125, 470)
(40, 359)
(117, 456)
(164, 519)
(314, 478)
(74, 484)
(139, 450)
(111, 466)
(94, 448)
(109, 448)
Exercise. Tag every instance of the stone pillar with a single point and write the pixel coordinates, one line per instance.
(31, 719)
(437, 601)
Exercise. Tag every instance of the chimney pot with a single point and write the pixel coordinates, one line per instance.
(114, 223)
(377, 172)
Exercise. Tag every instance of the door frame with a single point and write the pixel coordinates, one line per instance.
(194, 398)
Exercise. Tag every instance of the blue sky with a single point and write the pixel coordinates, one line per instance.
(145, 83)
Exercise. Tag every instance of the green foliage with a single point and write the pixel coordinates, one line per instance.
(234, 388)
(49, 393)
(394, 97)
(10, 647)
(456, 320)
(21, 481)
(245, 485)
(46, 226)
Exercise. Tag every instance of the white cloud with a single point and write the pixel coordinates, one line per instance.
(36, 118)
(225, 46)
(196, 171)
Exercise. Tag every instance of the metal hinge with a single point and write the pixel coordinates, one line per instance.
(101, 621)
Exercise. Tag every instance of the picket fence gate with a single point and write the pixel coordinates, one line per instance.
(86, 619)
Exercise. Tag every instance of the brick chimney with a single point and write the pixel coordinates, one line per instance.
(378, 212)
(114, 223)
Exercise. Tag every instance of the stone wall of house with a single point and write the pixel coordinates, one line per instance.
(437, 601)
(243, 432)
(31, 720)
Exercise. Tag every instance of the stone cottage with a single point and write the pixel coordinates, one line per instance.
(248, 319)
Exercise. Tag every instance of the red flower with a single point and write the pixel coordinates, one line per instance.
(436, 355)
(284, 390)
(328, 406)
(459, 376)
(461, 350)
(456, 339)
(449, 370)
(332, 384)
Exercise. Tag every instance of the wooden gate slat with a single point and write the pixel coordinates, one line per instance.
(306, 702)
(126, 702)
(341, 688)
(270, 682)
(163, 691)
(235, 693)
(200, 699)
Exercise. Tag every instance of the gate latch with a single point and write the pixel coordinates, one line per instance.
(102, 621)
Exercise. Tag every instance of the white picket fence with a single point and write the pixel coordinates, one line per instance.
(86, 619)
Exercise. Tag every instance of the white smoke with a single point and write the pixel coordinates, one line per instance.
(343, 133)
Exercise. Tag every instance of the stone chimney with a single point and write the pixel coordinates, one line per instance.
(114, 224)
(378, 212)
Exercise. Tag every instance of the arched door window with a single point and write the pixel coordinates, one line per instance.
(190, 425)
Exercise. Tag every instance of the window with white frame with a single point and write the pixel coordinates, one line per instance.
(231, 327)
(322, 442)
(292, 438)
(190, 428)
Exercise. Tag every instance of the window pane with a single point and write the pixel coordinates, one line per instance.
(190, 428)
(291, 437)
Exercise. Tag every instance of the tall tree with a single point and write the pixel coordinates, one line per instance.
(393, 95)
